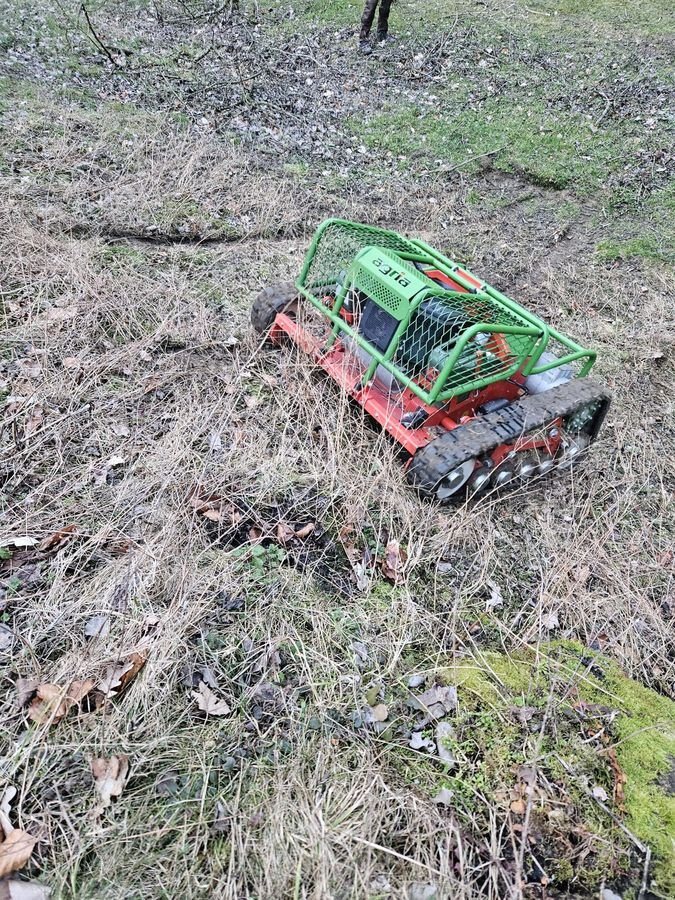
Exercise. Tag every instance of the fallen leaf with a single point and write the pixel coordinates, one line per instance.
(606, 894)
(70, 362)
(13, 889)
(52, 701)
(150, 622)
(438, 701)
(7, 638)
(110, 776)
(151, 384)
(61, 313)
(221, 819)
(119, 675)
(21, 543)
(167, 784)
(518, 807)
(33, 421)
(550, 621)
(619, 777)
(97, 626)
(444, 797)
(527, 775)
(191, 676)
(377, 713)
(305, 531)
(15, 850)
(56, 540)
(254, 534)
(393, 562)
(419, 742)
(444, 733)
(269, 380)
(360, 654)
(121, 429)
(284, 533)
(420, 890)
(495, 600)
(215, 443)
(6, 801)
(25, 688)
(208, 702)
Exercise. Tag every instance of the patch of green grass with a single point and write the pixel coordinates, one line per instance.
(650, 16)
(638, 248)
(114, 255)
(552, 148)
(643, 232)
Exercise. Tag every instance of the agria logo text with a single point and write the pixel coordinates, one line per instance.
(399, 277)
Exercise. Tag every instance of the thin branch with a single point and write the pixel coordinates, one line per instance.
(97, 39)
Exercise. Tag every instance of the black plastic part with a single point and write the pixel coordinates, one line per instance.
(377, 325)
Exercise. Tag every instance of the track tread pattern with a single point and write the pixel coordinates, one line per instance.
(430, 464)
(270, 301)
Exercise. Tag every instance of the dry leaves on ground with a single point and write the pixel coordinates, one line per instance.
(97, 627)
(13, 889)
(119, 675)
(110, 776)
(17, 845)
(437, 702)
(15, 851)
(213, 507)
(55, 541)
(209, 702)
(394, 562)
(53, 701)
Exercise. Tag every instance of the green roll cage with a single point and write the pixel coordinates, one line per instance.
(329, 266)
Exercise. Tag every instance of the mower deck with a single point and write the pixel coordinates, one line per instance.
(389, 408)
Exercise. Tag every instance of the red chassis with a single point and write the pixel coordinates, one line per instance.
(388, 409)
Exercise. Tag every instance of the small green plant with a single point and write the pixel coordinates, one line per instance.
(262, 561)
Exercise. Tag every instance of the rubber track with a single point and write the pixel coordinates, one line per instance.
(480, 436)
(269, 302)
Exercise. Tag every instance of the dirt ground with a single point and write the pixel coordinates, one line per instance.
(224, 615)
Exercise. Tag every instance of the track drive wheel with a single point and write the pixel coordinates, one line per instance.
(271, 300)
(458, 462)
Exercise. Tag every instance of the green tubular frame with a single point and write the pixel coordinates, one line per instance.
(418, 251)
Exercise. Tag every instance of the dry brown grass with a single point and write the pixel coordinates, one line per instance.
(126, 349)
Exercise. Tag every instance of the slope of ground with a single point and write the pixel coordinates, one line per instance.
(226, 516)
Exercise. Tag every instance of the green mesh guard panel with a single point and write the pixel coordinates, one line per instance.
(437, 324)
(340, 243)
(434, 353)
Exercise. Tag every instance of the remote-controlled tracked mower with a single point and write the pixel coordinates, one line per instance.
(478, 391)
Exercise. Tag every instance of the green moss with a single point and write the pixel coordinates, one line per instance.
(645, 747)
(643, 735)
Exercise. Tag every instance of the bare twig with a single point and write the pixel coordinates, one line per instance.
(99, 43)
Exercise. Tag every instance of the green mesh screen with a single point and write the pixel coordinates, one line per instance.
(435, 329)
(435, 326)
(337, 247)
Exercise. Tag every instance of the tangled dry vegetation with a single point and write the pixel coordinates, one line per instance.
(242, 659)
